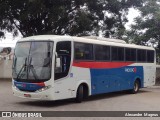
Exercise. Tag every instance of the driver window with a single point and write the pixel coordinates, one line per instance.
(63, 51)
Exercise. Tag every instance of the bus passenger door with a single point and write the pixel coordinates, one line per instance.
(63, 81)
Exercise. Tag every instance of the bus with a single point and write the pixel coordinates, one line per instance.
(52, 67)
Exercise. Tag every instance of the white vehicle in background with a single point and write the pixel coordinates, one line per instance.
(50, 67)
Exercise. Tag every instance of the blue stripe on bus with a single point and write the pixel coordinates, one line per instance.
(28, 86)
(116, 79)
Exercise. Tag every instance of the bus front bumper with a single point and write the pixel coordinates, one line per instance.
(44, 95)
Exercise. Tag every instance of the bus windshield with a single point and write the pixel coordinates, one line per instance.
(32, 61)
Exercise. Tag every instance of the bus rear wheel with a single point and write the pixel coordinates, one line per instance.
(135, 87)
(80, 94)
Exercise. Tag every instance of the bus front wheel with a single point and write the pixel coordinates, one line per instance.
(80, 94)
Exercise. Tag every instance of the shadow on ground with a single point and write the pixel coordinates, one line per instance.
(72, 101)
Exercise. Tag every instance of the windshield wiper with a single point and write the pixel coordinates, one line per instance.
(29, 67)
(32, 69)
(23, 67)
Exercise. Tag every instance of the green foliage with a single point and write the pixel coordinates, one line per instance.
(72, 17)
(146, 31)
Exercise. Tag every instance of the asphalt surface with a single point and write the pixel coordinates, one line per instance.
(148, 99)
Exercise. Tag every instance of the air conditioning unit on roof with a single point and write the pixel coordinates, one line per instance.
(105, 39)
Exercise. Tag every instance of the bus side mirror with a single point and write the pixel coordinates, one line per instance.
(58, 62)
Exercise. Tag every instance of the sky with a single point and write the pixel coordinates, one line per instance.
(133, 13)
(9, 41)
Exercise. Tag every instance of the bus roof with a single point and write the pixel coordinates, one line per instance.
(103, 41)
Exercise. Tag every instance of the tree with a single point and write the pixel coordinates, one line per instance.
(73, 17)
(113, 25)
(146, 31)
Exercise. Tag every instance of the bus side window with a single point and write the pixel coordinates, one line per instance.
(63, 50)
(117, 53)
(83, 51)
(150, 56)
(141, 55)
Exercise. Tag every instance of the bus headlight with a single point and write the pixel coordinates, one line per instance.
(44, 88)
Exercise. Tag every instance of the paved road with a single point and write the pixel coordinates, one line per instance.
(148, 99)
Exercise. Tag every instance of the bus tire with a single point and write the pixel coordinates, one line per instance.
(80, 94)
(135, 87)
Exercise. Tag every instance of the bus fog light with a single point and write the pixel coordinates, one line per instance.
(44, 88)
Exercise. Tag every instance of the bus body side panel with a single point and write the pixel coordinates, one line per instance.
(149, 74)
(115, 79)
(67, 87)
(81, 75)
(112, 76)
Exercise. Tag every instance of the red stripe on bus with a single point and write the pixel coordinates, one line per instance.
(40, 84)
(101, 65)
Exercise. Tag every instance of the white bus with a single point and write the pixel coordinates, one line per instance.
(50, 67)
